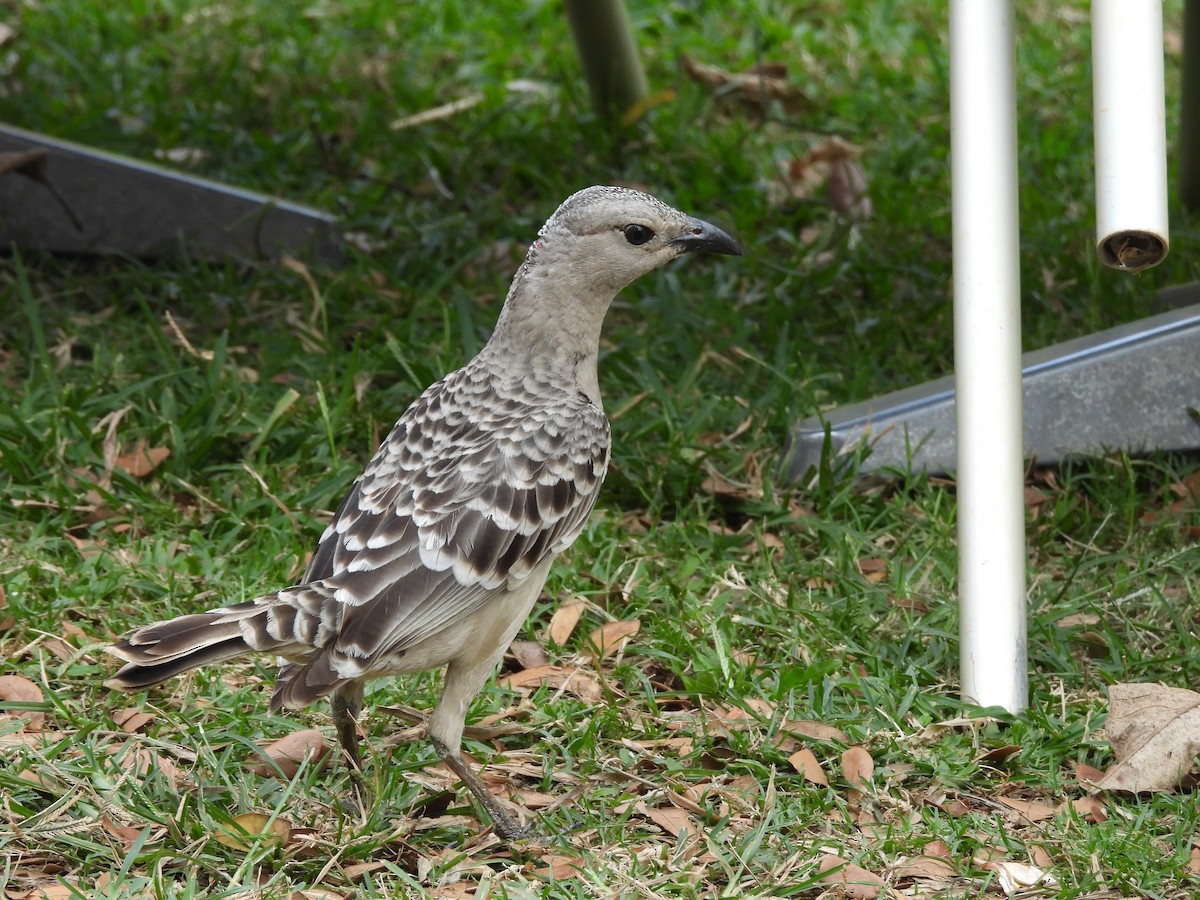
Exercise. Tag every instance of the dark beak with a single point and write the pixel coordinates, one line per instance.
(703, 237)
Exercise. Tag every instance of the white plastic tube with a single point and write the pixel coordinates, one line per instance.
(987, 353)
(1131, 135)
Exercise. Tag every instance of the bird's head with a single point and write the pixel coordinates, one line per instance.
(602, 238)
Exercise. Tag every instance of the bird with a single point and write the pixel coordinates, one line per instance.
(439, 551)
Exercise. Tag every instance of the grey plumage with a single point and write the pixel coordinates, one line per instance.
(441, 547)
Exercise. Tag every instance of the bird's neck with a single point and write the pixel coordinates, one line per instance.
(551, 325)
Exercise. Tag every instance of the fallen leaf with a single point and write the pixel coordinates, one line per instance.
(998, 755)
(246, 828)
(912, 604)
(757, 87)
(7, 620)
(142, 762)
(847, 189)
(937, 848)
(612, 636)
(1193, 863)
(805, 763)
(857, 766)
(531, 799)
(818, 731)
(1154, 731)
(131, 720)
(1040, 856)
(142, 461)
(564, 620)
(126, 834)
(556, 866)
(851, 880)
(672, 820)
(528, 653)
(1085, 773)
(1090, 809)
(1078, 619)
(1029, 809)
(575, 681)
(19, 689)
(914, 867)
(1016, 875)
(287, 754)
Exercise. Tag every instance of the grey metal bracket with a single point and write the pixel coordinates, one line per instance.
(1135, 387)
(129, 207)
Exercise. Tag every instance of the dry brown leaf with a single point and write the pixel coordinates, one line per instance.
(955, 806)
(564, 620)
(1193, 863)
(1040, 856)
(998, 755)
(142, 461)
(245, 829)
(804, 762)
(757, 87)
(1078, 619)
(7, 620)
(1090, 809)
(287, 754)
(126, 834)
(1155, 735)
(728, 491)
(937, 848)
(1085, 773)
(557, 866)
(354, 871)
(131, 720)
(528, 653)
(833, 163)
(1029, 809)
(857, 766)
(19, 689)
(851, 880)
(528, 798)
(672, 820)
(575, 681)
(847, 190)
(818, 731)
(45, 892)
(142, 761)
(912, 604)
(612, 636)
(914, 867)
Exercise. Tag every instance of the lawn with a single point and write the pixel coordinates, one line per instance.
(730, 682)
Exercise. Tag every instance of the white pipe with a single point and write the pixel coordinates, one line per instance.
(1131, 133)
(987, 353)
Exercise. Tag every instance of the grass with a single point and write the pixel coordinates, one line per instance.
(760, 605)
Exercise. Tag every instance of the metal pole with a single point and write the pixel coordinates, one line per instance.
(609, 53)
(987, 353)
(1131, 133)
(1189, 108)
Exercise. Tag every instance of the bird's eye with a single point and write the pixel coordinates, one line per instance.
(637, 234)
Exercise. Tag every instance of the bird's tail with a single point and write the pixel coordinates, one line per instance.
(294, 623)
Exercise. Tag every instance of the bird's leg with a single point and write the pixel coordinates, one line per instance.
(463, 681)
(504, 824)
(345, 704)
